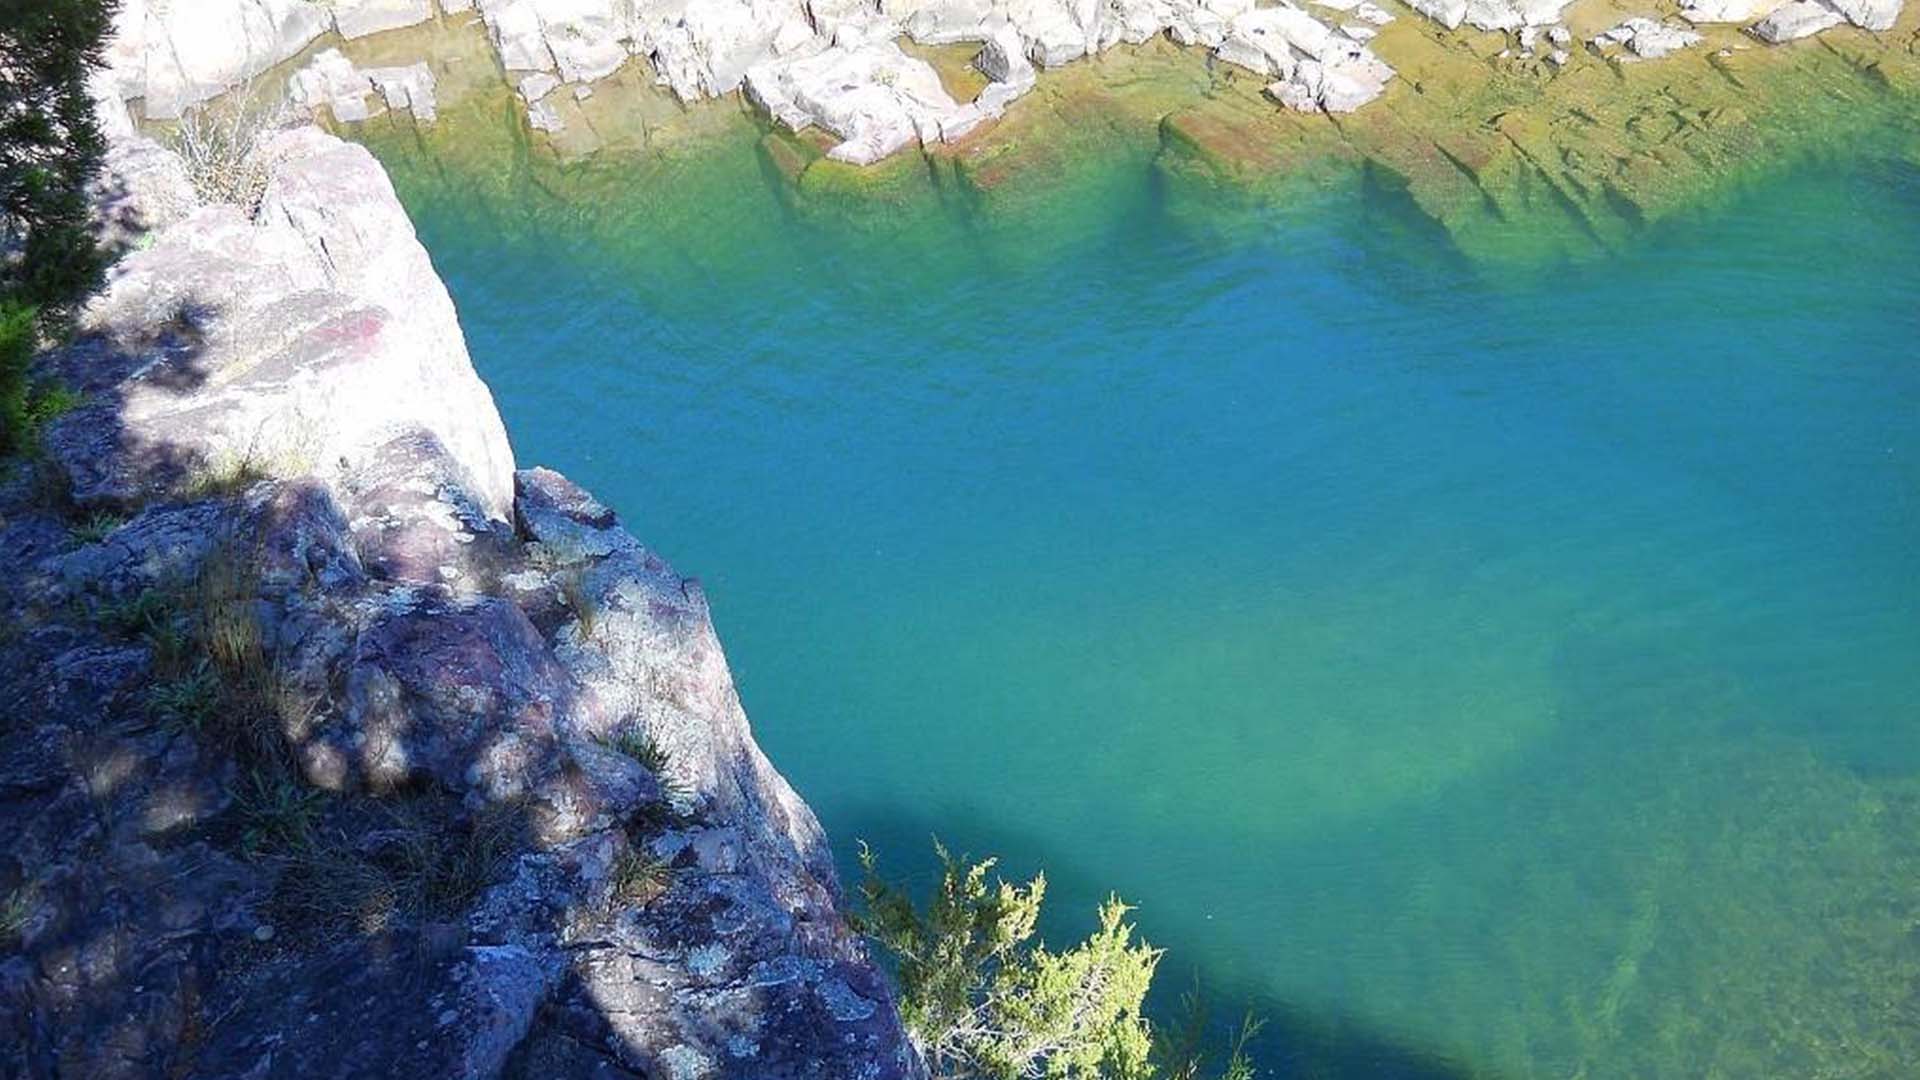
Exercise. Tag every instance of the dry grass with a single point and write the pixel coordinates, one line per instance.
(639, 877)
(221, 145)
(248, 722)
(574, 593)
(221, 479)
(411, 863)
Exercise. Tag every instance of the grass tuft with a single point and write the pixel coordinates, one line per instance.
(574, 593)
(188, 703)
(15, 910)
(277, 814)
(653, 757)
(639, 877)
(97, 527)
(222, 479)
(413, 865)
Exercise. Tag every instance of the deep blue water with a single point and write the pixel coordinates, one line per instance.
(1478, 669)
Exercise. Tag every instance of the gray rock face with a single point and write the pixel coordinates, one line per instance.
(286, 345)
(521, 828)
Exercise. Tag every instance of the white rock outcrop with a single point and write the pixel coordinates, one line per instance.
(175, 55)
(1648, 39)
(1726, 11)
(1315, 67)
(332, 81)
(322, 325)
(1796, 20)
(1869, 14)
(172, 54)
(1491, 14)
(358, 18)
(873, 96)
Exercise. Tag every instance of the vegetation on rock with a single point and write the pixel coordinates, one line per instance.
(982, 1000)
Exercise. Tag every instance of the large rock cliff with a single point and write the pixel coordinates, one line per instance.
(336, 746)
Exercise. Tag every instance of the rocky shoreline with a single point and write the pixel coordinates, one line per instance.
(338, 745)
(837, 66)
(1553, 134)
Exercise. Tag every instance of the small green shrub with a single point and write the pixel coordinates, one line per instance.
(26, 404)
(642, 748)
(50, 148)
(579, 600)
(982, 1001)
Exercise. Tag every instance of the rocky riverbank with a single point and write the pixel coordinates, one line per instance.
(1544, 130)
(336, 744)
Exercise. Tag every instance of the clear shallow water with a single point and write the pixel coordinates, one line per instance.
(1480, 671)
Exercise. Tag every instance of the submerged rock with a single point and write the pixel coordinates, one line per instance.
(1648, 39)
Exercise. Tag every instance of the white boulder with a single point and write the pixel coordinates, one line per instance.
(409, 88)
(176, 55)
(875, 97)
(1796, 20)
(1726, 11)
(1869, 14)
(358, 18)
(1649, 39)
(330, 80)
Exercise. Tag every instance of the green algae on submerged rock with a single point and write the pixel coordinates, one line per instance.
(1517, 158)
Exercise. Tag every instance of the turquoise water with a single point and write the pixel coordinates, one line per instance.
(1481, 671)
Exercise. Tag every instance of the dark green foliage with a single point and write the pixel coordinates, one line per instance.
(981, 1000)
(97, 527)
(50, 149)
(26, 404)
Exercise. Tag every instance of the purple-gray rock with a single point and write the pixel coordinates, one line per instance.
(311, 762)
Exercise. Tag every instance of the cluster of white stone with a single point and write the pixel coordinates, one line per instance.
(1788, 20)
(172, 54)
(331, 80)
(837, 64)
